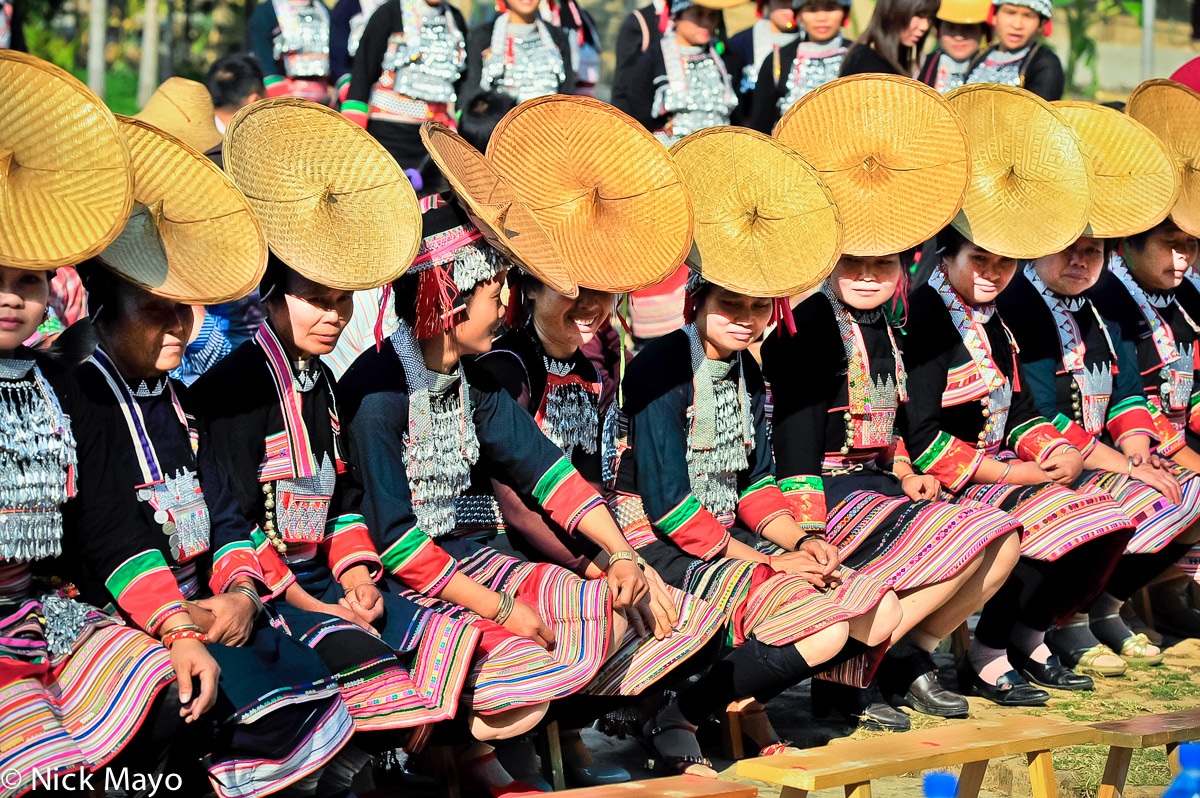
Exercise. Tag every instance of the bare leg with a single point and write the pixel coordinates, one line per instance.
(995, 564)
(876, 626)
(503, 725)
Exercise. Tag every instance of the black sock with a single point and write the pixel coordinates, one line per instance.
(1135, 571)
(753, 669)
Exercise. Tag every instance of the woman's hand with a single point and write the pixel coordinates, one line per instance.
(920, 486)
(803, 564)
(524, 621)
(194, 665)
(1063, 465)
(365, 600)
(232, 620)
(628, 585)
(1024, 473)
(661, 605)
(823, 552)
(1160, 479)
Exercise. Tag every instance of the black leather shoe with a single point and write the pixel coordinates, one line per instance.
(927, 696)
(866, 707)
(1010, 690)
(1052, 674)
(882, 716)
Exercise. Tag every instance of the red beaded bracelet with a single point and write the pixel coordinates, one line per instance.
(170, 638)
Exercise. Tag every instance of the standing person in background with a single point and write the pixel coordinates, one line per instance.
(347, 22)
(290, 39)
(1019, 58)
(802, 66)
(518, 54)
(640, 29)
(893, 40)
(408, 68)
(583, 38)
(962, 26)
(748, 50)
(234, 82)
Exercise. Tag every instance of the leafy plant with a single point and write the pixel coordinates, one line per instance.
(1081, 16)
(43, 42)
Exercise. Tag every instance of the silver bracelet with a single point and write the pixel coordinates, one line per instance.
(251, 593)
(505, 609)
(1004, 476)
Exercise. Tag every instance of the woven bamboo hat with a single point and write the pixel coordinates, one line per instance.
(505, 221)
(1172, 112)
(1137, 178)
(604, 189)
(1031, 182)
(192, 236)
(893, 152)
(65, 185)
(965, 12)
(766, 223)
(335, 206)
(183, 108)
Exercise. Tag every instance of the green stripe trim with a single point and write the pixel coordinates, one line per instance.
(934, 451)
(1023, 429)
(553, 477)
(792, 484)
(271, 80)
(1133, 403)
(131, 569)
(684, 512)
(335, 525)
(231, 547)
(355, 105)
(765, 482)
(1061, 422)
(403, 549)
(258, 537)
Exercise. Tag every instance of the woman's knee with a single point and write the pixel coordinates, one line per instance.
(824, 645)
(888, 616)
(503, 725)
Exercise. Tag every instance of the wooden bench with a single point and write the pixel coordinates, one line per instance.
(854, 763)
(668, 787)
(1148, 731)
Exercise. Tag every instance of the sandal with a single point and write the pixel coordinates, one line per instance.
(772, 748)
(676, 764)
(1133, 651)
(1087, 662)
(1084, 660)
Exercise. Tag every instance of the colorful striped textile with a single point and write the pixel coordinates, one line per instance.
(1056, 519)
(511, 671)
(1190, 564)
(914, 543)
(1158, 520)
(75, 711)
(658, 310)
(636, 663)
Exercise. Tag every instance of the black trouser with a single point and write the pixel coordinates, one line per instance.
(1039, 594)
(1135, 571)
(753, 669)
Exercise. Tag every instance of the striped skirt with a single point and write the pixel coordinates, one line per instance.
(1158, 520)
(75, 686)
(509, 670)
(412, 675)
(908, 544)
(1055, 519)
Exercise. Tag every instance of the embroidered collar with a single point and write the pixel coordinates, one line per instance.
(1070, 339)
(302, 461)
(704, 373)
(306, 373)
(970, 321)
(858, 365)
(1160, 331)
(147, 388)
(15, 368)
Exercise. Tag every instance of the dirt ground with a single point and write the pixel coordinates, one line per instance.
(1171, 687)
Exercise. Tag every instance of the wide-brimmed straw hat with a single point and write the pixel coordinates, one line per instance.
(506, 223)
(604, 189)
(767, 225)
(65, 185)
(893, 152)
(193, 236)
(1172, 112)
(184, 109)
(334, 204)
(965, 12)
(1031, 181)
(1137, 177)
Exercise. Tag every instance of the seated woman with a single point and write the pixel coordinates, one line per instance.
(795, 69)
(282, 717)
(972, 421)
(518, 54)
(680, 84)
(279, 440)
(962, 26)
(1084, 376)
(838, 384)
(76, 683)
(776, 28)
(696, 491)
(1019, 58)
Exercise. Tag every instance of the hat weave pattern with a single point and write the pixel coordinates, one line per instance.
(65, 185)
(1172, 112)
(184, 109)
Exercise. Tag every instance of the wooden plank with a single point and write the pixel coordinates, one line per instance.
(1148, 731)
(864, 760)
(1173, 759)
(1116, 769)
(970, 780)
(861, 789)
(1041, 774)
(550, 751)
(731, 734)
(670, 787)
(792, 792)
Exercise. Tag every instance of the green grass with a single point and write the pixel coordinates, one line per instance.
(1147, 767)
(120, 89)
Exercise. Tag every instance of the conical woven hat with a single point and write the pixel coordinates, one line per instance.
(1031, 182)
(1137, 178)
(892, 151)
(766, 224)
(964, 12)
(506, 223)
(335, 206)
(192, 236)
(720, 5)
(604, 189)
(1172, 112)
(65, 185)
(183, 108)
